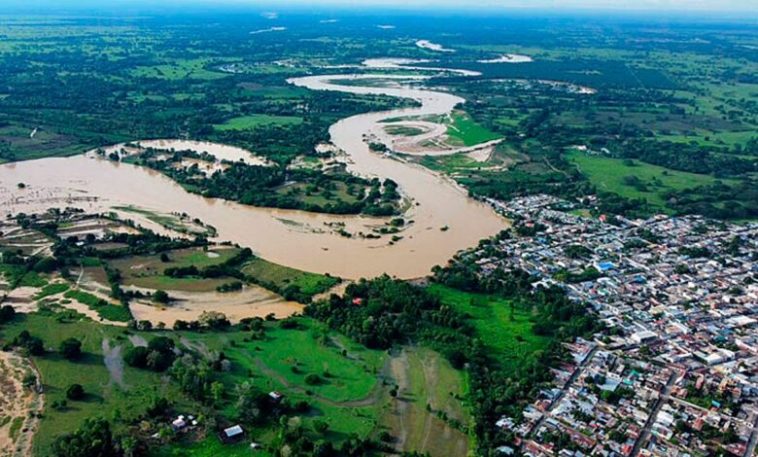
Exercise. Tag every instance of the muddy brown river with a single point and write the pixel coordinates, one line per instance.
(294, 238)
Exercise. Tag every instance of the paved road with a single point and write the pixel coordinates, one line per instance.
(645, 433)
(568, 384)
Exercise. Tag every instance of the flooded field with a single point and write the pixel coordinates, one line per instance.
(252, 301)
(293, 238)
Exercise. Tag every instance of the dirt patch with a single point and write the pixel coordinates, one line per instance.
(252, 301)
(19, 406)
(22, 299)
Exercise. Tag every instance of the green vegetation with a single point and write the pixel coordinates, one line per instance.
(501, 325)
(179, 69)
(52, 289)
(176, 222)
(464, 129)
(119, 394)
(403, 130)
(287, 281)
(149, 271)
(651, 182)
(275, 186)
(257, 120)
(105, 309)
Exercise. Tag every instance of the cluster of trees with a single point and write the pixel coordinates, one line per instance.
(718, 200)
(19, 266)
(157, 356)
(228, 268)
(295, 439)
(28, 343)
(691, 157)
(260, 186)
(93, 439)
(382, 312)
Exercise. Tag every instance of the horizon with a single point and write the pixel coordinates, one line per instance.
(663, 9)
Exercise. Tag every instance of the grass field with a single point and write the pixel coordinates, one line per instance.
(609, 174)
(258, 120)
(309, 283)
(210, 447)
(105, 397)
(309, 195)
(349, 395)
(510, 338)
(403, 130)
(147, 270)
(450, 163)
(467, 131)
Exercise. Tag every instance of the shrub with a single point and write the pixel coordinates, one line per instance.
(75, 392)
(71, 349)
(160, 296)
(7, 313)
(312, 379)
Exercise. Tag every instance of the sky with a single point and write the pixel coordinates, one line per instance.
(683, 6)
(744, 5)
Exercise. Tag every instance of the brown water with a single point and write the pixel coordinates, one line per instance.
(293, 238)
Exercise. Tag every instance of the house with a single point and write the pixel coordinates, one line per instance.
(643, 336)
(178, 424)
(276, 396)
(505, 450)
(232, 434)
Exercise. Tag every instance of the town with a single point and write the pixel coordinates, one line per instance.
(676, 371)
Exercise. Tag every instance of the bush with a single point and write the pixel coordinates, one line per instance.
(160, 296)
(71, 349)
(31, 344)
(75, 392)
(312, 379)
(320, 426)
(7, 313)
(45, 265)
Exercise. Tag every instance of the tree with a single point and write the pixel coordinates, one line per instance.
(93, 439)
(160, 296)
(7, 313)
(71, 349)
(217, 392)
(214, 320)
(157, 356)
(252, 404)
(31, 344)
(75, 392)
(320, 426)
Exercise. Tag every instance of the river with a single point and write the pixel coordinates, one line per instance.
(293, 238)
